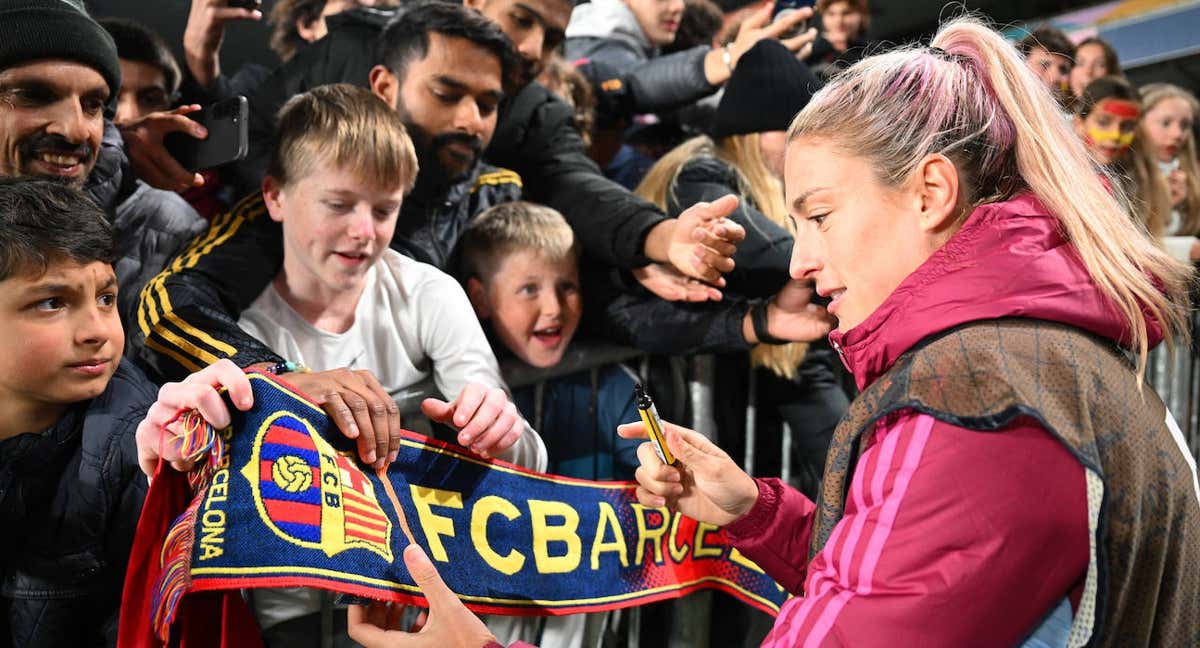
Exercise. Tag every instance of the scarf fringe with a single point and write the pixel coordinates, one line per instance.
(195, 440)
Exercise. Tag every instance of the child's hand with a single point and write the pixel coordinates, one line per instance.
(487, 420)
(199, 391)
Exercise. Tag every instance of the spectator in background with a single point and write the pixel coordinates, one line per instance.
(1094, 58)
(56, 80)
(296, 23)
(842, 40)
(521, 264)
(1050, 54)
(149, 73)
(150, 81)
(629, 35)
(1167, 133)
(569, 84)
(700, 24)
(1106, 119)
(745, 157)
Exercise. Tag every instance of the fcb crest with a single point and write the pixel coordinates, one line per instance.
(310, 495)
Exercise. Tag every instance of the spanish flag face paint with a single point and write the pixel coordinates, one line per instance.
(1109, 128)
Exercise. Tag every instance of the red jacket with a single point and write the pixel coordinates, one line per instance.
(941, 543)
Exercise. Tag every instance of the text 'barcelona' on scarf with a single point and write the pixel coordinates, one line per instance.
(281, 501)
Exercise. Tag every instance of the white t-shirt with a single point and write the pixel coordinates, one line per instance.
(412, 322)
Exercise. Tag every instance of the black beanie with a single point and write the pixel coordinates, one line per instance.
(768, 87)
(36, 30)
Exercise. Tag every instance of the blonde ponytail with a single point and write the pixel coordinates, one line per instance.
(971, 98)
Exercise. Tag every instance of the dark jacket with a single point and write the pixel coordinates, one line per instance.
(535, 137)
(189, 319)
(69, 503)
(149, 225)
(577, 416)
(606, 31)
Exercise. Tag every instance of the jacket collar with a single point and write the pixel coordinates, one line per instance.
(1009, 259)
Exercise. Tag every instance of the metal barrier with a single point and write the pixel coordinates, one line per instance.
(1174, 372)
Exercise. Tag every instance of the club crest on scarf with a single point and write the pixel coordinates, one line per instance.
(312, 496)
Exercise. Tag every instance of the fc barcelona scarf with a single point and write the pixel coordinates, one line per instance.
(279, 500)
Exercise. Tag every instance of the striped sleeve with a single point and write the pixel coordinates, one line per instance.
(950, 538)
(187, 315)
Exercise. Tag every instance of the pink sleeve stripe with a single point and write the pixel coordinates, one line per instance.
(810, 620)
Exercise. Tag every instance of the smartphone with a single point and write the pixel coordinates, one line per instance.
(228, 138)
(785, 7)
(245, 4)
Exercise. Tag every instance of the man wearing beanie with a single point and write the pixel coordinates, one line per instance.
(58, 72)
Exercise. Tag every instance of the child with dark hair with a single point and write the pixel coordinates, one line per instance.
(70, 487)
(149, 73)
(1050, 55)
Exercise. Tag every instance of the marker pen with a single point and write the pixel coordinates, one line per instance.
(653, 424)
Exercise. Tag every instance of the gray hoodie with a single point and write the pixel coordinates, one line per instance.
(606, 31)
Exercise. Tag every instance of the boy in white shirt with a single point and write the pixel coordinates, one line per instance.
(343, 298)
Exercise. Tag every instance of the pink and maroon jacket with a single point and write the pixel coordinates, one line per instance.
(942, 545)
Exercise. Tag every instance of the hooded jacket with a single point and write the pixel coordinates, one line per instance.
(949, 536)
(69, 502)
(149, 225)
(606, 31)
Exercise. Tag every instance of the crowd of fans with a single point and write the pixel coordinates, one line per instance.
(432, 191)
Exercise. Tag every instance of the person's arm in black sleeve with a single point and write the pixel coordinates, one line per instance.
(762, 258)
(187, 315)
(537, 138)
(344, 55)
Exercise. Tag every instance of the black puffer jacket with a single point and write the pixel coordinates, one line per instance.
(69, 504)
(190, 320)
(149, 225)
(535, 137)
(607, 32)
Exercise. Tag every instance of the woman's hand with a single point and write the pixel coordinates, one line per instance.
(201, 392)
(706, 485)
(450, 623)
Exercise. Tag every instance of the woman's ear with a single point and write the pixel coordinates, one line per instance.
(939, 193)
(478, 296)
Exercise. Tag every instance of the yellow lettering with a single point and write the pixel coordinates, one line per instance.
(545, 533)
(210, 551)
(218, 491)
(608, 520)
(647, 534)
(703, 550)
(485, 508)
(737, 557)
(433, 524)
(677, 553)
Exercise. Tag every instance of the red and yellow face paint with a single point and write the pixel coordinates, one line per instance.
(1110, 127)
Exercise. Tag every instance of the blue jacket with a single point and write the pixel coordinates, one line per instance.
(579, 423)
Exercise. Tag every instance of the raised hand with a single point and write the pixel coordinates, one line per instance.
(672, 285)
(204, 33)
(144, 145)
